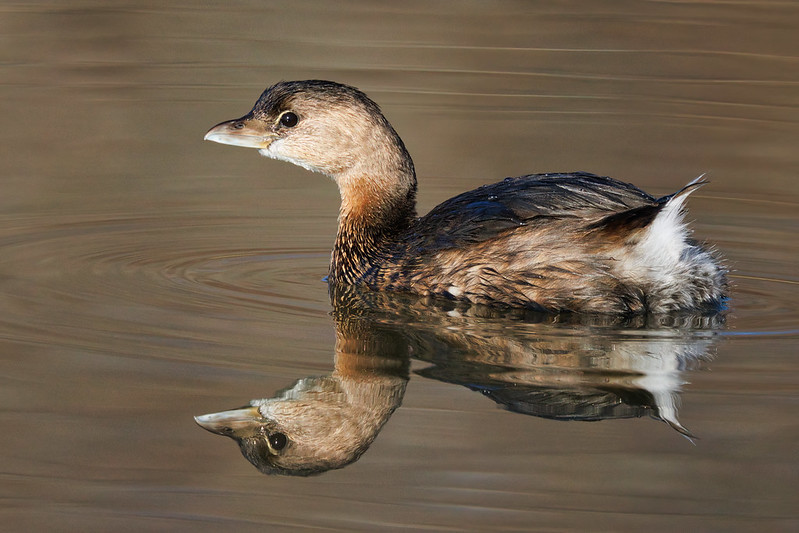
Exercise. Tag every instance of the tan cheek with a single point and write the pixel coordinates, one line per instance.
(319, 149)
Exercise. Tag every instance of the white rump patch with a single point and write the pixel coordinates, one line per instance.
(661, 247)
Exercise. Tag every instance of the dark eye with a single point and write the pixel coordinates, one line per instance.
(289, 119)
(277, 441)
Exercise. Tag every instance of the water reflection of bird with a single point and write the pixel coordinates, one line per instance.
(574, 242)
(579, 367)
(567, 377)
(324, 422)
(589, 368)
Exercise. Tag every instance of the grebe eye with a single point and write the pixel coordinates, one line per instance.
(277, 441)
(289, 119)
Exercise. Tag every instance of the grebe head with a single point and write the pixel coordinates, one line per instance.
(293, 435)
(322, 126)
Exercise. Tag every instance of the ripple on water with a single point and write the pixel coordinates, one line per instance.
(140, 267)
(757, 238)
(87, 280)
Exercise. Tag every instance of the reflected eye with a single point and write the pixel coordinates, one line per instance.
(289, 119)
(277, 441)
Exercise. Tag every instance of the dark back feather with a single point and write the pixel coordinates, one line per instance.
(483, 213)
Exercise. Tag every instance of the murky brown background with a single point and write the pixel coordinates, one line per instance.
(146, 276)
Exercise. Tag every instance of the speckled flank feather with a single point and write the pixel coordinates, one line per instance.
(555, 242)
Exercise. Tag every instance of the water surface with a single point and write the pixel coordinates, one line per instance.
(147, 277)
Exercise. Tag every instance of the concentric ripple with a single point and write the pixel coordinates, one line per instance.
(757, 238)
(92, 279)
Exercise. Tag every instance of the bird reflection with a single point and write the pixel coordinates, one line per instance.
(558, 367)
(324, 422)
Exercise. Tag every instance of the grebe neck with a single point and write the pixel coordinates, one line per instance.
(377, 183)
(374, 213)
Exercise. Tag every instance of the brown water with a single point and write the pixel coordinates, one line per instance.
(147, 277)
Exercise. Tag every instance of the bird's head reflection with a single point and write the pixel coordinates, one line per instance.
(321, 423)
(263, 440)
(543, 366)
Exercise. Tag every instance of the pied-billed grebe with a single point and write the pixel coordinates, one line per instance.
(554, 242)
